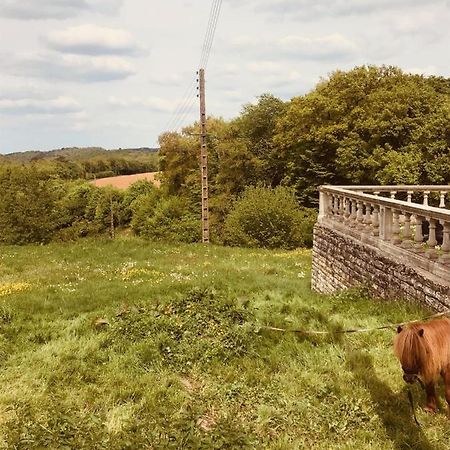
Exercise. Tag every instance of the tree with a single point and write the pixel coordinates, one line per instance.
(269, 218)
(367, 126)
(27, 207)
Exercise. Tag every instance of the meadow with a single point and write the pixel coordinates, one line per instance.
(127, 344)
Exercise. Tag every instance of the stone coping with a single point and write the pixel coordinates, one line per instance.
(400, 205)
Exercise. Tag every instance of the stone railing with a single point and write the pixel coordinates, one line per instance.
(427, 195)
(399, 219)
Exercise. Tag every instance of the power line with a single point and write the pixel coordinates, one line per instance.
(211, 30)
(185, 105)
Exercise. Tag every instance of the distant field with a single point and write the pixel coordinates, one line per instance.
(124, 181)
(128, 344)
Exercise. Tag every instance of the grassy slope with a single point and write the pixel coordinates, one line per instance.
(176, 367)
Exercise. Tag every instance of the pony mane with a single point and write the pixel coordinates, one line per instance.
(425, 345)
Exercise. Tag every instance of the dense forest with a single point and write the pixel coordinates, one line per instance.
(370, 125)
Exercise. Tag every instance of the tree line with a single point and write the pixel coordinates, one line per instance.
(86, 163)
(370, 125)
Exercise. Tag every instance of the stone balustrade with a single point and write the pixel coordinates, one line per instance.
(364, 213)
(395, 240)
(434, 195)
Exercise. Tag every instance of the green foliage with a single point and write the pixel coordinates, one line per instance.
(165, 218)
(27, 207)
(196, 330)
(367, 126)
(269, 218)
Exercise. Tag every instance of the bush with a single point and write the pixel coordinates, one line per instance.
(27, 207)
(269, 218)
(160, 218)
(200, 328)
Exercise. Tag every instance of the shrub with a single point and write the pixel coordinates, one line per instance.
(197, 329)
(135, 191)
(162, 218)
(269, 218)
(27, 207)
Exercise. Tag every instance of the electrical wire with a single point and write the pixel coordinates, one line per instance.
(184, 107)
(209, 38)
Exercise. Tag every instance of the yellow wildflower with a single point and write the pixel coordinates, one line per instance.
(11, 288)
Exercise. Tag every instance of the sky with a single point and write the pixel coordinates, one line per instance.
(118, 73)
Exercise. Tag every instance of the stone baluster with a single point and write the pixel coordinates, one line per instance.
(335, 207)
(406, 241)
(418, 236)
(367, 216)
(395, 227)
(393, 193)
(359, 214)
(348, 210)
(385, 223)
(353, 213)
(432, 242)
(445, 257)
(442, 199)
(425, 197)
(375, 220)
(409, 195)
(342, 208)
(330, 212)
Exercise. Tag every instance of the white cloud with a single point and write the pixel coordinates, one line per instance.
(328, 47)
(58, 105)
(151, 103)
(68, 67)
(428, 70)
(295, 9)
(92, 40)
(171, 79)
(55, 9)
(265, 67)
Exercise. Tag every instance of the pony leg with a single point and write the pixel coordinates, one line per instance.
(446, 377)
(431, 405)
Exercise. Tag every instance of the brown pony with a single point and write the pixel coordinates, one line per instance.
(423, 349)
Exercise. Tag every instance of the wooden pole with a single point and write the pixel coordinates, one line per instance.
(111, 217)
(203, 158)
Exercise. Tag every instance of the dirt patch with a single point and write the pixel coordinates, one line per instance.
(125, 181)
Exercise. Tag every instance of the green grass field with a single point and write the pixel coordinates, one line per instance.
(135, 345)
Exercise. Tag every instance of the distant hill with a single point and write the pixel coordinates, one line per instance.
(75, 153)
(86, 163)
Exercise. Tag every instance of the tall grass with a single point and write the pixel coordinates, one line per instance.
(127, 344)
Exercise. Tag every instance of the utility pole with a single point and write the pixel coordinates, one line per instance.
(203, 158)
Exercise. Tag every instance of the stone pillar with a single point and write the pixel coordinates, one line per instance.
(395, 228)
(406, 242)
(432, 242)
(442, 199)
(445, 257)
(418, 236)
(323, 204)
(375, 221)
(385, 223)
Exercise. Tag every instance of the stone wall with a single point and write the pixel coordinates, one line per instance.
(343, 259)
